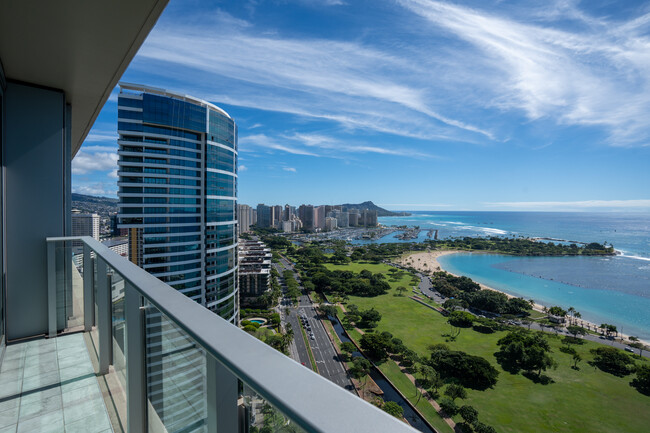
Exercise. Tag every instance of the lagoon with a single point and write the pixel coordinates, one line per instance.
(603, 289)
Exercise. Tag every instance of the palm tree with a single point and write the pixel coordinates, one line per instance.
(427, 372)
(571, 311)
(577, 315)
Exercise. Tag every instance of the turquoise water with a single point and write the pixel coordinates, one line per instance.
(620, 296)
(604, 289)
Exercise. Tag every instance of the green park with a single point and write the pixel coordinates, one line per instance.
(572, 394)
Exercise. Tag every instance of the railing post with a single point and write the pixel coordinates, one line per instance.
(222, 393)
(89, 293)
(51, 289)
(135, 371)
(104, 311)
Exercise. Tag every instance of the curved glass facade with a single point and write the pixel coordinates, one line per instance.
(177, 190)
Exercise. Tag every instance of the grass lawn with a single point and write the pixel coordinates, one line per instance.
(587, 400)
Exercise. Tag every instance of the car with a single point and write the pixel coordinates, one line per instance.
(629, 349)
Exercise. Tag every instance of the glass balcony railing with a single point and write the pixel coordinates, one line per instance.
(175, 366)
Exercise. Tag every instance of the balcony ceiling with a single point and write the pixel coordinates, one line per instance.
(80, 47)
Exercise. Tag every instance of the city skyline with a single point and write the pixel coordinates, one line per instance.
(415, 105)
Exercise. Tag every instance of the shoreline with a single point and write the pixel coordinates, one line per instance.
(427, 261)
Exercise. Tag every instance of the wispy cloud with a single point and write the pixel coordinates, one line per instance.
(291, 169)
(583, 204)
(591, 75)
(318, 145)
(242, 168)
(352, 83)
(250, 143)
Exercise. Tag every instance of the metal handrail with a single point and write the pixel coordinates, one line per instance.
(308, 399)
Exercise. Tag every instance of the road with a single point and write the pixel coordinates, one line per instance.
(327, 360)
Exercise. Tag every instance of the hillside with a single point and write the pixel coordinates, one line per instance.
(104, 206)
(371, 206)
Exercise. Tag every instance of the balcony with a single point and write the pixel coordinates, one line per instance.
(124, 346)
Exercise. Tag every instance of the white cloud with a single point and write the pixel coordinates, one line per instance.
(104, 189)
(242, 168)
(291, 169)
(95, 158)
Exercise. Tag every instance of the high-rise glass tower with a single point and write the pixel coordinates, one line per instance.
(178, 192)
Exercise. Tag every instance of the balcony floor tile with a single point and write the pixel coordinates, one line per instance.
(50, 386)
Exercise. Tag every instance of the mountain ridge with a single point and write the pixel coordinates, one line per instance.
(381, 212)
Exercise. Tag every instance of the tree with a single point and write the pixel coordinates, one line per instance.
(376, 346)
(642, 380)
(328, 310)
(468, 370)
(575, 330)
(369, 318)
(557, 311)
(469, 414)
(455, 391)
(455, 304)
(461, 319)
(360, 369)
(576, 359)
(448, 407)
(479, 427)
(612, 360)
(427, 373)
(394, 409)
(348, 348)
(401, 290)
(521, 350)
(518, 307)
(409, 358)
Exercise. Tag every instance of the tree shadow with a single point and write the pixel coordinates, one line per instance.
(542, 379)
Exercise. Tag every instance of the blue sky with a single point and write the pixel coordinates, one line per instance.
(413, 104)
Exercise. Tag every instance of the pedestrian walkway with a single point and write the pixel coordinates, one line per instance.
(48, 385)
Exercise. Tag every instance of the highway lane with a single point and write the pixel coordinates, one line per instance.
(327, 360)
(298, 349)
(329, 364)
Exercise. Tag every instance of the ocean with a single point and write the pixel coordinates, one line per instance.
(613, 290)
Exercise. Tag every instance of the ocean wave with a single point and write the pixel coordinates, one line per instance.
(623, 253)
(494, 231)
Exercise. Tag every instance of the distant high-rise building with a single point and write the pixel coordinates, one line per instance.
(288, 212)
(342, 218)
(85, 224)
(277, 216)
(264, 216)
(368, 218)
(330, 224)
(306, 215)
(244, 218)
(353, 218)
(319, 217)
